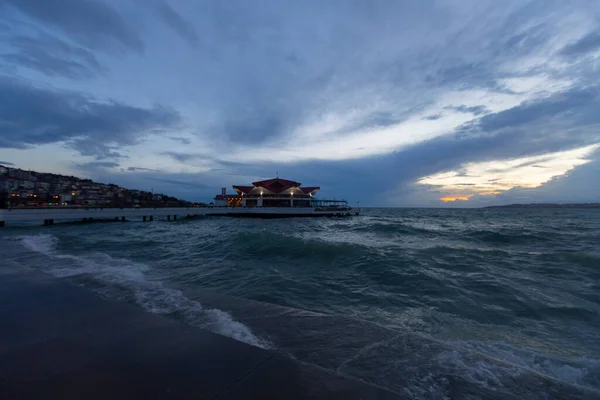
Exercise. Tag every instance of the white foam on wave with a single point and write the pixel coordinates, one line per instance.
(583, 372)
(429, 386)
(151, 295)
(482, 373)
(40, 243)
(491, 369)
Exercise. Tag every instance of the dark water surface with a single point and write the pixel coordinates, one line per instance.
(429, 303)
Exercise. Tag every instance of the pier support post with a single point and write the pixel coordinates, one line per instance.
(151, 218)
(50, 222)
(168, 217)
(45, 222)
(1, 224)
(116, 218)
(123, 219)
(174, 217)
(144, 218)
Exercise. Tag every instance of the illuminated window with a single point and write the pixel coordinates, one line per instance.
(234, 202)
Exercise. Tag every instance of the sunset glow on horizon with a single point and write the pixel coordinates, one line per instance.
(462, 197)
(495, 177)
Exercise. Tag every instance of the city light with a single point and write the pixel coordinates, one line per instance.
(33, 189)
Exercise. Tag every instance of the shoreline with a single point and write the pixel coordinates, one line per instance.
(68, 342)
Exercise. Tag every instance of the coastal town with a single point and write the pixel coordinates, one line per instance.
(21, 188)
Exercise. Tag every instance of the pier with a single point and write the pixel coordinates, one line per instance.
(60, 341)
(50, 216)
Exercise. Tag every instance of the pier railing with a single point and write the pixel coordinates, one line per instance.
(50, 215)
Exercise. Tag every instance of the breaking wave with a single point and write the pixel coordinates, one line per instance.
(131, 281)
(433, 304)
(583, 371)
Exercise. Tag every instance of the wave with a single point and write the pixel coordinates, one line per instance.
(267, 244)
(587, 260)
(42, 243)
(131, 281)
(395, 228)
(495, 237)
(584, 372)
(466, 250)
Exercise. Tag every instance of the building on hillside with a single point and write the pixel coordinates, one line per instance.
(43, 186)
(66, 197)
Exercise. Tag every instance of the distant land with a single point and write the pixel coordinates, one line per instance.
(548, 205)
(21, 188)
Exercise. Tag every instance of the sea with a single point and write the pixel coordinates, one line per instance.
(428, 303)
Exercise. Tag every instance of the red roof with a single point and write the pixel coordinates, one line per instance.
(243, 189)
(276, 185)
(309, 189)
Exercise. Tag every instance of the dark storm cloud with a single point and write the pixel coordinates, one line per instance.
(254, 123)
(190, 183)
(557, 123)
(560, 122)
(274, 81)
(469, 72)
(53, 57)
(477, 110)
(133, 169)
(181, 140)
(576, 100)
(563, 121)
(182, 157)
(269, 78)
(175, 21)
(584, 45)
(31, 116)
(98, 164)
(6, 163)
(97, 149)
(261, 73)
(89, 22)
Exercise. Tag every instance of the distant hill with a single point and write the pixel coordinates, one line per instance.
(21, 188)
(548, 205)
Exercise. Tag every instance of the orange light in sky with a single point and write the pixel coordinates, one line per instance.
(490, 193)
(462, 197)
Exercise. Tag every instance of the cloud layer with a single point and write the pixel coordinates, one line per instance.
(31, 116)
(401, 99)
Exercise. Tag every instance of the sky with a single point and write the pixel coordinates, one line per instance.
(453, 103)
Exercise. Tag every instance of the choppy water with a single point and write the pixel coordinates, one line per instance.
(429, 303)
